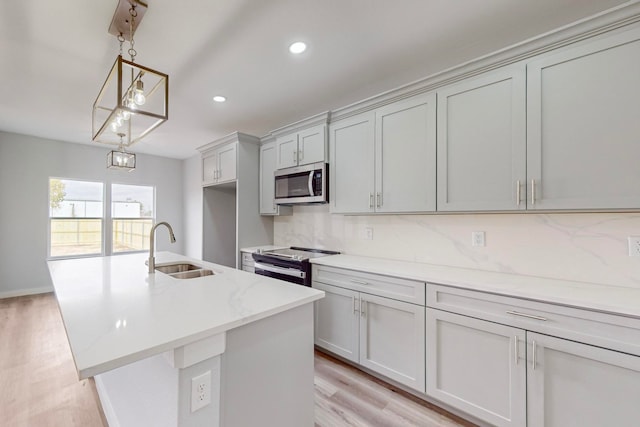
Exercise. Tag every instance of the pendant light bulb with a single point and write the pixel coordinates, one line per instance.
(139, 97)
(126, 115)
(114, 126)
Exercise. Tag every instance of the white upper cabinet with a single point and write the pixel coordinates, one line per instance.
(267, 182)
(405, 158)
(219, 164)
(303, 147)
(287, 151)
(385, 160)
(351, 171)
(482, 142)
(583, 131)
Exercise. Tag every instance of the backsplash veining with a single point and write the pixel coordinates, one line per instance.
(588, 247)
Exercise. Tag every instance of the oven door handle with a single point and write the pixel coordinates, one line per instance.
(286, 271)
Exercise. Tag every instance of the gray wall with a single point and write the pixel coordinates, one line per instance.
(26, 163)
(192, 201)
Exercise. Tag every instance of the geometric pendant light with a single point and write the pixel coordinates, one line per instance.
(134, 99)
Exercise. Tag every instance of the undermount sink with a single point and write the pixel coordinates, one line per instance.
(184, 270)
(177, 268)
(192, 274)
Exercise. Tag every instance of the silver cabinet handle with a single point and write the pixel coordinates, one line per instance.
(518, 193)
(533, 191)
(359, 282)
(533, 358)
(295, 156)
(353, 304)
(515, 349)
(362, 313)
(378, 199)
(528, 316)
(300, 155)
(371, 200)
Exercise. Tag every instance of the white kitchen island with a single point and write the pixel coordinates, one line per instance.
(148, 339)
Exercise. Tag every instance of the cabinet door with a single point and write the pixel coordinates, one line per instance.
(573, 384)
(287, 151)
(351, 171)
(209, 168)
(267, 182)
(482, 143)
(392, 339)
(406, 155)
(312, 145)
(477, 366)
(227, 161)
(336, 321)
(583, 127)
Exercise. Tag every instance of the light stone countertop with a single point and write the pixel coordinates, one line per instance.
(593, 296)
(116, 313)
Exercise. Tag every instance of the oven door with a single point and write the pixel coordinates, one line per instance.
(292, 275)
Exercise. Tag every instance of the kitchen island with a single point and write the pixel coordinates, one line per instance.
(161, 347)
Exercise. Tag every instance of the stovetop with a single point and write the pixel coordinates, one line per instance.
(297, 253)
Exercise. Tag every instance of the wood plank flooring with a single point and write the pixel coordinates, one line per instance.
(38, 382)
(346, 396)
(39, 386)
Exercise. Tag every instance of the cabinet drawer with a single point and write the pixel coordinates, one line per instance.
(391, 287)
(601, 329)
(247, 258)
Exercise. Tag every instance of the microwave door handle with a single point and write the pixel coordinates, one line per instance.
(310, 183)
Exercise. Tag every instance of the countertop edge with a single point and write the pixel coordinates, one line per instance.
(532, 288)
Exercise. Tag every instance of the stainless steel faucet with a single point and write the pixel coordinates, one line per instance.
(152, 259)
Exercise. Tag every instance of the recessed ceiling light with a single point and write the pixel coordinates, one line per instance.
(297, 47)
(219, 98)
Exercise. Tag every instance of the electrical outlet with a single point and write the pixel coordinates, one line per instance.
(634, 245)
(200, 391)
(477, 238)
(368, 233)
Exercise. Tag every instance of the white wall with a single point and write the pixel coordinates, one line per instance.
(26, 163)
(589, 247)
(192, 205)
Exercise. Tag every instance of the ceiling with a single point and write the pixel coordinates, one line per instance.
(56, 55)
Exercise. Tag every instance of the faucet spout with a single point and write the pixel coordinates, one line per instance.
(152, 258)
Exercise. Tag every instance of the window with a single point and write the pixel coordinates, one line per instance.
(76, 214)
(132, 217)
(79, 224)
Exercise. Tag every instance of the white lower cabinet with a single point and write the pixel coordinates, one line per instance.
(381, 334)
(477, 366)
(517, 374)
(573, 384)
(337, 321)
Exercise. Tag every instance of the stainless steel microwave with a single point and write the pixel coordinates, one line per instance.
(306, 184)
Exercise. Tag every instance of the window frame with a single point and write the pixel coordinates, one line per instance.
(111, 218)
(49, 218)
(106, 246)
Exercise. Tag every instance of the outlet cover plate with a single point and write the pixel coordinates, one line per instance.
(200, 391)
(478, 238)
(634, 245)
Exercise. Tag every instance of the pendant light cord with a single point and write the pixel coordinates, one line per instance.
(132, 52)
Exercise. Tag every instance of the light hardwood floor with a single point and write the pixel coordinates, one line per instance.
(39, 386)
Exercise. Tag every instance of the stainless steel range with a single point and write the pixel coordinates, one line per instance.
(291, 265)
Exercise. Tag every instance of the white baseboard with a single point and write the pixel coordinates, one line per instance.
(107, 408)
(23, 292)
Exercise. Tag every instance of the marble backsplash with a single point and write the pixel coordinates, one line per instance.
(588, 247)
